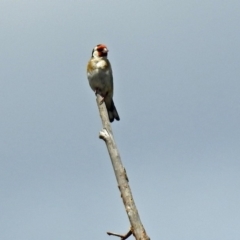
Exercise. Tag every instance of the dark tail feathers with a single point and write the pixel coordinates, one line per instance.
(112, 113)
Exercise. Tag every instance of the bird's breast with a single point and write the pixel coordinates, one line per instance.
(102, 65)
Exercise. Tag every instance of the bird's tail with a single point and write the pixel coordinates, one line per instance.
(112, 112)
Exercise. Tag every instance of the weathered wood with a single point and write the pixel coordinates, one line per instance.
(106, 134)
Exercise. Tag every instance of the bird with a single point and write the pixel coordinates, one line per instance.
(100, 77)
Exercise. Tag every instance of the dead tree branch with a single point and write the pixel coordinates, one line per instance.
(106, 134)
(123, 237)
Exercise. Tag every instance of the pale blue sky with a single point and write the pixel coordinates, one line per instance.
(177, 91)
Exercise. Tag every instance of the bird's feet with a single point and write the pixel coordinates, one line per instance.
(103, 96)
(101, 102)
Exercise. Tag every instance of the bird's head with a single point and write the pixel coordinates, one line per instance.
(100, 51)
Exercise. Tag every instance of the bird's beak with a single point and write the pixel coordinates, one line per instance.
(105, 50)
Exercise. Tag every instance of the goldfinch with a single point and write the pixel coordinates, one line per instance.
(99, 73)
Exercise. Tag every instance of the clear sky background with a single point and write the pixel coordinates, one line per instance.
(177, 91)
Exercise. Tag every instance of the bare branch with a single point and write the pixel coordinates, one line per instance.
(106, 134)
(123, 237)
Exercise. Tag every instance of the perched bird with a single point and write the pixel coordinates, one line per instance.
(99, 73)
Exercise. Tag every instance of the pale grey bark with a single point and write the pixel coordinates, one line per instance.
(106, 134)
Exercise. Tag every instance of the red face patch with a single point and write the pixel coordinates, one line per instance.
(102, 50)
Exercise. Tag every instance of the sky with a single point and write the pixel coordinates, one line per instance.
(176, 89)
